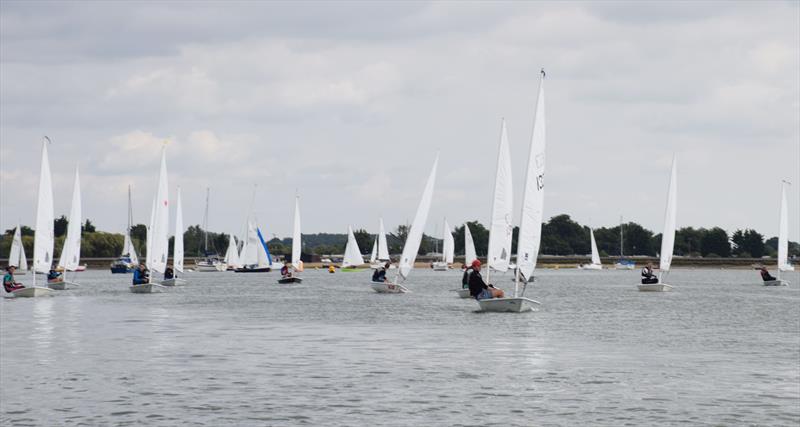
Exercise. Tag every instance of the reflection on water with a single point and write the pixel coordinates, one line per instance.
(240, 349)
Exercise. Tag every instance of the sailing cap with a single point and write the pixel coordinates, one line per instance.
(476, 263)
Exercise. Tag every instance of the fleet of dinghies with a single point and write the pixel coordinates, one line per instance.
(251, 254)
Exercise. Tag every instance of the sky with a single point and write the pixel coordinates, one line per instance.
(347, 103)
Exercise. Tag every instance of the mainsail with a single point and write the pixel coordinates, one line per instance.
(414, 237)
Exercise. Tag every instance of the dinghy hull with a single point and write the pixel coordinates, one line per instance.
(462, 293)
(591, 267)
(655, 287)
(173, 282)
(287, 280)
(507, 305)
(148, 288)
(32, 292)
(57, 286)
(388, 288)
(253, 270)
(776, 282)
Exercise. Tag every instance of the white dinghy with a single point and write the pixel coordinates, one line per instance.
(44, 240)
(596, 264)
(383, 250)
(352, 254)
(71, 252)
(783, 242)
(232, 254)
(177, 250)
(16, 256)
(157, 241)
(530, 229)
(413, 239)
(297, 263)
(668, 236)
(448, 250)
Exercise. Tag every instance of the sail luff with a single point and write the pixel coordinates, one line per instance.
(177, 256)
(530, 228)
(670, 214)
(414, 237)
(44, 239)
(500, 226)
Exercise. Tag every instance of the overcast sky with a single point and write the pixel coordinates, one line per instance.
(347, 104)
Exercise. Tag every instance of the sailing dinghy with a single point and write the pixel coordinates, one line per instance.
(177, 249)
(469, 256)
(448, 250)
(71, 252)
(352, 254)
(783, 242)
(596, 264)
(157, 241)
(382, 247)
(16, 256)
(297, 263)
(668, 236)
(530, 228)
(413, 240)
(44, 240)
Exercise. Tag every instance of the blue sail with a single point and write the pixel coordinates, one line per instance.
(264, 244)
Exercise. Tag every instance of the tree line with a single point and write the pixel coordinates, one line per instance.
(561, 235)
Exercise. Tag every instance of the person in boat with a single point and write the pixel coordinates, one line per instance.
(140, 275)
(478, 288)
(53, 276)
(765, 276)
(465, 277)
(169, 273)
(380, 274)
(9, 283)
(285, 272)
(647, 274)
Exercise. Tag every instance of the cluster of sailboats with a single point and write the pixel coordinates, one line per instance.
(254, 254)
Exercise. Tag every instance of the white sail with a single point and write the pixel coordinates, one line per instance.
(374, 255)
(500, 227)
(160, 242)
(250, 250)
(530, 227)
(469, 246)
(296, 236)
(595, 254)
(383, 247)
(449, 245)
(177, 253)
(670, 214)
(414, 237)
(261, 253)
(232, 254)
(127, 245)
(44, 240)
(16, 256)
(71, 252)
(783, 234)
(352, 254)
(149, 243)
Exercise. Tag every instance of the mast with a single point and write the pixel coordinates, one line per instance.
(205, 224)
(620, 238)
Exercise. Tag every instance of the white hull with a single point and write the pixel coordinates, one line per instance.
(388, 288)
(624, 266)
(60, 286)
(463, 293)
(148, 288)
(205, 268)
(776, 282)
(32, 292)
(177, 281)
(655, 287)
(439, 266)
(507, 305)
(591, 267)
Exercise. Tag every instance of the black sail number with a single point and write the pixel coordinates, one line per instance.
(540, 181)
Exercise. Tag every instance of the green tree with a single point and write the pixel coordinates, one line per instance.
(688, 240)
(715, 241)
(364, 240)
(480, 235)
(748, 242)
(88, 227)
(60, 226)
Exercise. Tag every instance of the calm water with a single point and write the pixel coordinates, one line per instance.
(238, 349)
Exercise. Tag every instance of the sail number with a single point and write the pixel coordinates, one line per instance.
(540, 181)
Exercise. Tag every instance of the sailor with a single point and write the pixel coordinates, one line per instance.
(465, 278)
(140, 275)
(9, 283)
(647, 274)
(53, 276)
(285, 273)
(380, 274)
(169, 273)
(478, 288)
(765, 274)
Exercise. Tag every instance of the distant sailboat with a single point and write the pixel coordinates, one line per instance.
(44, 240)
(783, 242)
(177, 246)
(71, 252)
(157, 240)
(413, 239)
(297, 263)
(382, 256)
(232, 254)
(596, 264)
(530, 229)
(211, 261)
(623, 264)
(127, 260)
(668, 236)
(352, 254)
(16, 256)
(448, 249)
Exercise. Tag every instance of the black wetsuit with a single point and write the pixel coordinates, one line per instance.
(476, 284)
